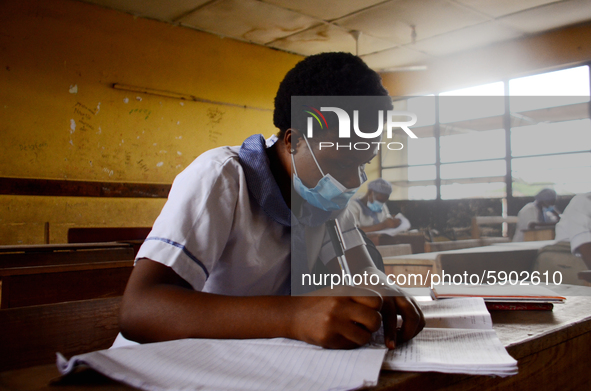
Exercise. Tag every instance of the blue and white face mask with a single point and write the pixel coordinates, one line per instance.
(375, 206)
(329, 194)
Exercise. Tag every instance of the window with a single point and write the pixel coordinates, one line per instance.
(412, 170)
(466, 147)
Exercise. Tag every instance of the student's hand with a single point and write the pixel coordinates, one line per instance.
(397, 303)
(342, 318)
(391, 222)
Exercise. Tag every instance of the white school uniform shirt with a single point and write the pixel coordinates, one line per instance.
(225, 228)
(575, 222)
(364, 220)
(529, 213)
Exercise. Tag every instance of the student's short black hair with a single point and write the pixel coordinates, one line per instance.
(325, 74)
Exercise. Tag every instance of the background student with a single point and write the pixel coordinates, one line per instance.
(372, 213)
(540, 213)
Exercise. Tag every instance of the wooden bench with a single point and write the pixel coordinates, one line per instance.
(63, 254)
(32, 335)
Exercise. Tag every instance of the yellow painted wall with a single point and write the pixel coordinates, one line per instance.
(525, 56)
(60, 118)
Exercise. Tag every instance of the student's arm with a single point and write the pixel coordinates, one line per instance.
(390, 222)
(158, 305)
(396, 302)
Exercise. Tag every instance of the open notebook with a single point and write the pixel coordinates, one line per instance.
(459, 339)
(256, 364)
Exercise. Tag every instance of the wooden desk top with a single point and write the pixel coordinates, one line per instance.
(429, 258)
(61, 247)
(526, 334)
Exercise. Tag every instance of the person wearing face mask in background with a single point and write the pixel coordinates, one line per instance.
(371, 212)
(242, 222)
(540, 213)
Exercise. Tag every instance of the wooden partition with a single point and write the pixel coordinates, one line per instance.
(44, 274)
(28, 286)
(32, 335)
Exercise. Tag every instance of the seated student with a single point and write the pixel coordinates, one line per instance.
(572, 251)
(540, 213)
(371, 212)
(217, 262)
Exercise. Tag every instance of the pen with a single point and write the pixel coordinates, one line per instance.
(336, 237)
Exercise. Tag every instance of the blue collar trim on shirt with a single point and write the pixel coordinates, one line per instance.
(259, 178)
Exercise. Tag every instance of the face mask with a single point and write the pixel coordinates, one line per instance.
(547, 214)
(329, 194)
(375, 206)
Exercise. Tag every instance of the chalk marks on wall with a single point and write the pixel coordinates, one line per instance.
(215, 117)
(33, 150)
(145, 113)
(143, 166)
(83, 117)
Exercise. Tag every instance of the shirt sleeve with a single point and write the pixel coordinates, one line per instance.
(575, 224)
(527, 215)
(386, 211)
(193, 228)
(355, 210)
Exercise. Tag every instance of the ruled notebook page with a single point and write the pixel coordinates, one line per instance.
(458, 338)
(261, 364)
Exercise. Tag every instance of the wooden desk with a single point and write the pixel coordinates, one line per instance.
(424, 263)
(551, 347)
(530, 235)
(415, 239)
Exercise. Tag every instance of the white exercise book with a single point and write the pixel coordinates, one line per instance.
(257, 364)
(458, 338)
